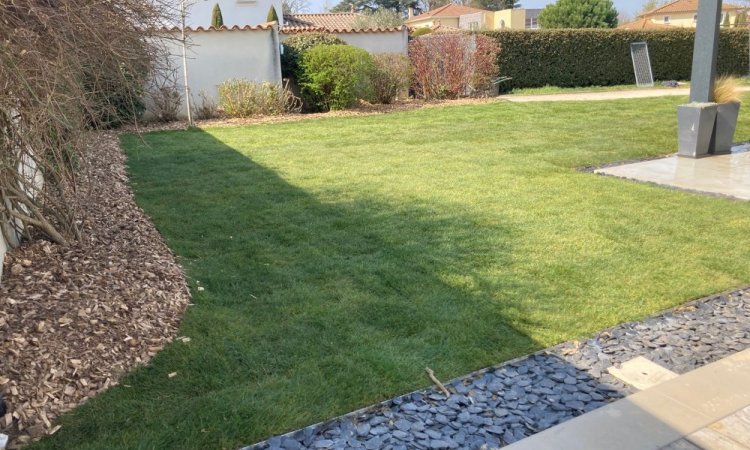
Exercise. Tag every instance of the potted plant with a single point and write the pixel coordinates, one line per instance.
(726, 95)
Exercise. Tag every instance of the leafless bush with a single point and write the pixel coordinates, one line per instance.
(66, 66)
(206, 108)
(164, 95)
(391, 76)
(244, 98)
(453, 65)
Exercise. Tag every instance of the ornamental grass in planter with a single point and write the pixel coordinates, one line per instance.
(727, 96)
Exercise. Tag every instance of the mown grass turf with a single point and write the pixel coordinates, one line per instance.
(580, 90)
(341, 256)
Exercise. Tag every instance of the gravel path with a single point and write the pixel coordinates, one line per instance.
(503, 404)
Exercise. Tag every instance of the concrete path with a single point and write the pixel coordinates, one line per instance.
(721, 174)
(599, 96)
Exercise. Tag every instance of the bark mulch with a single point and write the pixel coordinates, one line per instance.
(74, 320)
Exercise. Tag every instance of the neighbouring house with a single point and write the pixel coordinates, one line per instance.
(234, 12)
(681, 14)
(643, 23)
(374, 40)
(468, 18)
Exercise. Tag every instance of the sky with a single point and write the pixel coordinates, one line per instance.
(628, 6)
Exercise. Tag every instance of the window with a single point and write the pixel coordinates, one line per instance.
(532, 23)
(666, 20)
(695, 18)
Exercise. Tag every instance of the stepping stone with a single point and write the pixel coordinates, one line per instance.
(671, 415)
(641, 373)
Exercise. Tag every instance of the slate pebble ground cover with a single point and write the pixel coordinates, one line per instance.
(501, 405)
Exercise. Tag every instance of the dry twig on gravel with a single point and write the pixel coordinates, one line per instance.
(437, 382)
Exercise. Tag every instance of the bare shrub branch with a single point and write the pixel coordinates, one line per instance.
(66, 66)
(453, 65)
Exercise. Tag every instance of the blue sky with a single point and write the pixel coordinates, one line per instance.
(629, 6)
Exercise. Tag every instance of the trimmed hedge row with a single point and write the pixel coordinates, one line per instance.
(572, 58)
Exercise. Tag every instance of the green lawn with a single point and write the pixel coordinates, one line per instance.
(341, 256)
(581, 90)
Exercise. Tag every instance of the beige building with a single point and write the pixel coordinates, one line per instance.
(682, 14)
(468, 18)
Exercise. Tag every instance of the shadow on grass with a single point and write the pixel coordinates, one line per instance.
(310, 308)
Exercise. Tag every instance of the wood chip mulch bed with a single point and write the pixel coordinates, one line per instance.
(74, 320)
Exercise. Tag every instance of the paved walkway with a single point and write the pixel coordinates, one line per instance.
(598, 96)
(727, 175)
(703, 409)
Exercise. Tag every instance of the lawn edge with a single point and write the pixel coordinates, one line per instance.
(553, 350)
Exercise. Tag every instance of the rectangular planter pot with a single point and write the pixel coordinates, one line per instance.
(695, 123)
(726, 124)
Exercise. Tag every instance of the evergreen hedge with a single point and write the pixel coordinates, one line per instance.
(573, 58)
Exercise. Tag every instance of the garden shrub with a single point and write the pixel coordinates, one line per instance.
(114, 100)
(165, 103)
(272, 16)
(380, 18)
(391, 76)
(421, 32)
(244, 98)
(217, 19)
(206, 108)
(335, 76)
(296, 45)
(453, 65)
(573, 58)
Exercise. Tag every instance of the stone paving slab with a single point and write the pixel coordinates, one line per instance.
(641, 373)
(727, 175)
(661, 415)
(501, 405)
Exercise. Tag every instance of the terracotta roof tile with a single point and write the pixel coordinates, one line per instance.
(449, 10)
(644, 23)
(262, 26)
(327, 22)
(678, 6)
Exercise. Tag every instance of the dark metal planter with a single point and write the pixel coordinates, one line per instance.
(726, 124)
(695, 128)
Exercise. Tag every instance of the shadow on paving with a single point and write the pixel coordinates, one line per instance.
(307, 309)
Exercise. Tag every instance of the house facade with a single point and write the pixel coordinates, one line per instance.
(681, 14)
(468, 18)
(234, 12)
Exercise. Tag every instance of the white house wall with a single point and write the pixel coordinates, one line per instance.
(374, 42)
(234, 12)
(217, 56)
